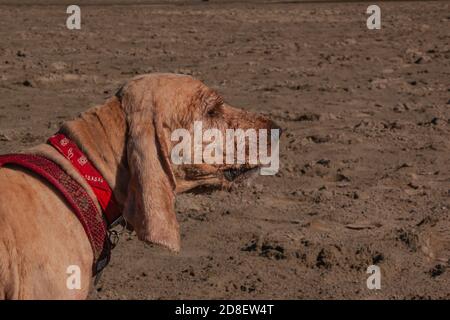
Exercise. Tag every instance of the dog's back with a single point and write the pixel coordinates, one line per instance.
(40, 238)
(8, 270)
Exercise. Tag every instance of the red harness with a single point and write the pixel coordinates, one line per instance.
(98, 184)
(94, 223)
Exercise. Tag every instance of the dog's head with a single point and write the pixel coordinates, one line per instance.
(158, 107)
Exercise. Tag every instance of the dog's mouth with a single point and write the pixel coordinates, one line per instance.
(240, 173)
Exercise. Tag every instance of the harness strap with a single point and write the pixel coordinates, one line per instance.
(76, 196)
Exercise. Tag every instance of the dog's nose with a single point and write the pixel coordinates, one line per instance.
(274, 125)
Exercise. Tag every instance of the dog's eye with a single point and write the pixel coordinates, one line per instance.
(212, 111)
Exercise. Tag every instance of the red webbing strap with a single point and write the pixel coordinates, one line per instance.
(77, 197)
(93, 177)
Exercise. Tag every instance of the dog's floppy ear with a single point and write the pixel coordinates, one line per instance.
(150, 204)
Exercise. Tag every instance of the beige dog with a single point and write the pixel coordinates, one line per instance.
(128, 140)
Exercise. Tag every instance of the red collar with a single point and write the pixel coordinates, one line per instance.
(93, 177)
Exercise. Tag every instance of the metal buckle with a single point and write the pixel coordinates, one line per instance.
(114, 238)
(117, 221)
(114, 235)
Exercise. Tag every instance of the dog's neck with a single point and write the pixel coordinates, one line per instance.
(101, 133)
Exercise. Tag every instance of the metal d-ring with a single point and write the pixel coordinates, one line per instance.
(114, 235)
